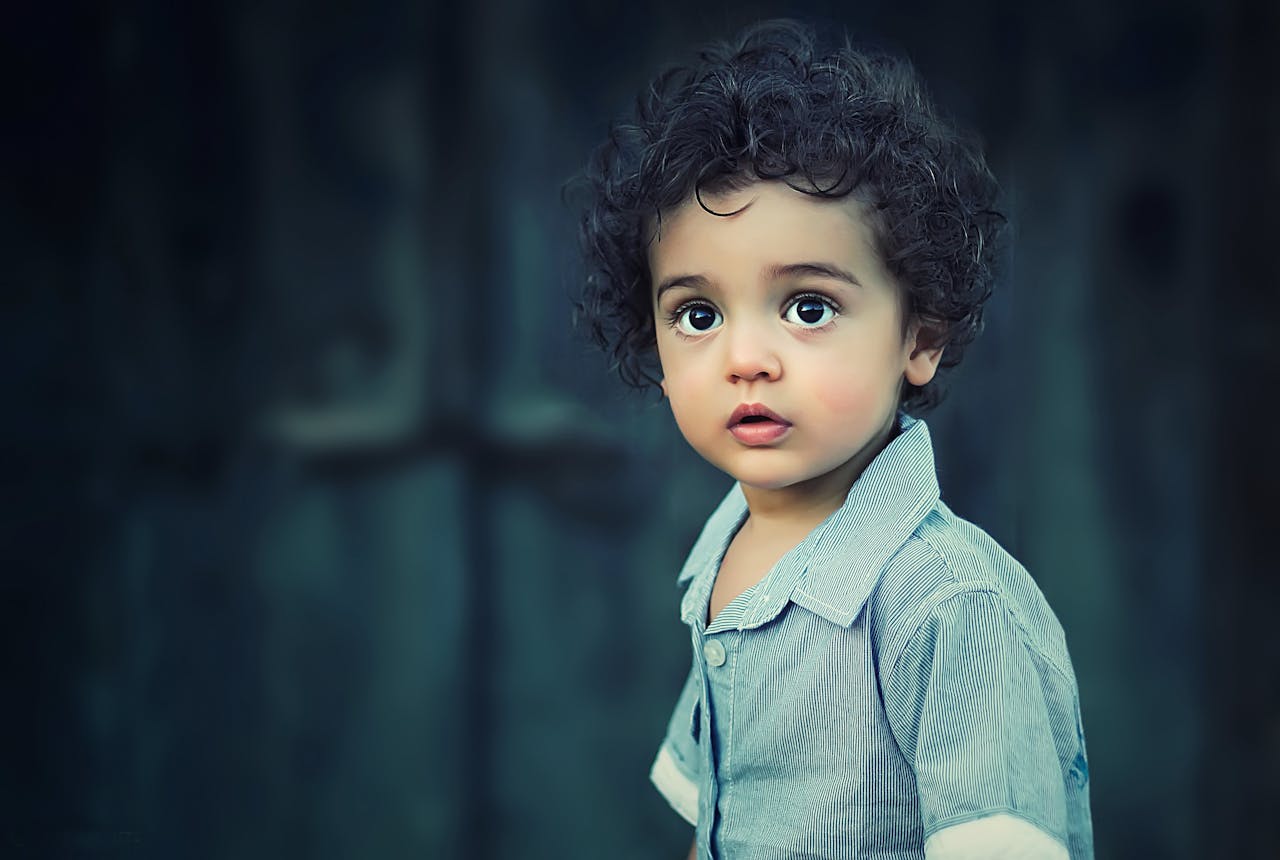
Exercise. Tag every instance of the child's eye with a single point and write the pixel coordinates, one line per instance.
(810, 311)
(696, 318)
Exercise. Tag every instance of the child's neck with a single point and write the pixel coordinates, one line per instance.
(787, 510)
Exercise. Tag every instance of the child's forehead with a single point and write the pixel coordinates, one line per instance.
(766, 235)
(766, 215)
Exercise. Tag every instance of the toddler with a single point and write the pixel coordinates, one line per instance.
(792, 246)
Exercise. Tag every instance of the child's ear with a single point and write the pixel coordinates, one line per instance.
(922, 355)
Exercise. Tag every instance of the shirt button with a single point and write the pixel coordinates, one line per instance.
(714, 652)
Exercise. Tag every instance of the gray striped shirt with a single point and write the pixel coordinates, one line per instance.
(894, 676)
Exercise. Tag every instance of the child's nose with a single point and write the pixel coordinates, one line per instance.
(751, 356)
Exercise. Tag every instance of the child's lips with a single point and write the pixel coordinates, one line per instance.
(759, 432)
(757, 424)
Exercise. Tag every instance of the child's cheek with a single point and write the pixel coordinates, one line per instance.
(846, 397)
(684, 408)
(856, 385)
(853, 409)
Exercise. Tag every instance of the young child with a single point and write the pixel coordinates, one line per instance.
(805, 245)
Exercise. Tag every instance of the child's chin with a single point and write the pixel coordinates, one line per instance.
(765, 480)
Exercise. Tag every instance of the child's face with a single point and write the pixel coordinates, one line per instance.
(754, 310)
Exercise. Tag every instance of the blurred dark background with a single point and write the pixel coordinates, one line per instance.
(324, 535)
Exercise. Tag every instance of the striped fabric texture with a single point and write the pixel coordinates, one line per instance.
(895, 675)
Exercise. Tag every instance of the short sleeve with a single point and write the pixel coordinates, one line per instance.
(677, 768)
(967, 703)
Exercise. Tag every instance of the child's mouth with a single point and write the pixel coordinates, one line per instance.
(760, 431)
(756, 424)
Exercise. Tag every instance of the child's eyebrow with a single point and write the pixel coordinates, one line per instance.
(776, 272)
(693, 282)
(823, 270)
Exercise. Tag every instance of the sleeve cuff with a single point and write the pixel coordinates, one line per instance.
(680, 791)
(994, 837)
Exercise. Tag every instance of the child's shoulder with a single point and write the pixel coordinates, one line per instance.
(949, 560)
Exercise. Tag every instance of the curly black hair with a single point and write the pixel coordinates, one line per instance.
(764, 106)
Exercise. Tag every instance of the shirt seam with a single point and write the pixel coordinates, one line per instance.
(918, 623)
(1027, 639)
(835, 610)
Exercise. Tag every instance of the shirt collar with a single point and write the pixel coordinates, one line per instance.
(833, 571)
